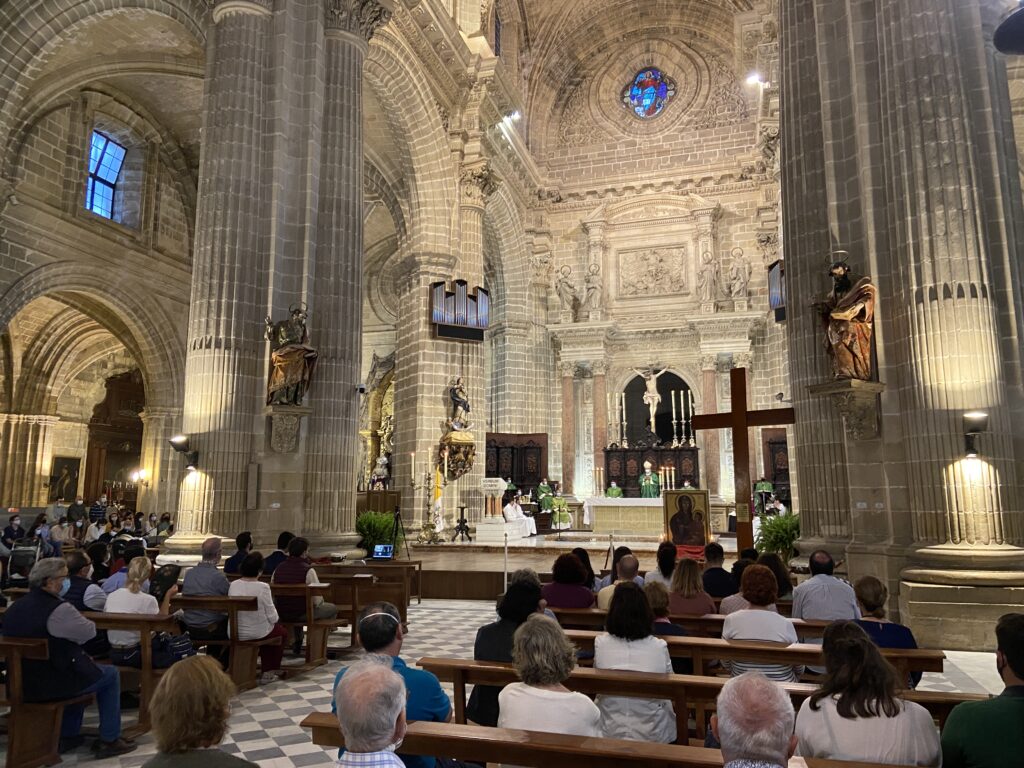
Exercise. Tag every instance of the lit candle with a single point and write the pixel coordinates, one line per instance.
(689, 396)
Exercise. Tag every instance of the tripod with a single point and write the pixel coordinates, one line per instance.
(462, 527)
(396, 523)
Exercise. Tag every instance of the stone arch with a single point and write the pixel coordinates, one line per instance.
(120, 304)
(30, 27)
(503, 222)
(404, 92)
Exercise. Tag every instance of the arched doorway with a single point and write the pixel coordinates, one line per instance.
(115, 440)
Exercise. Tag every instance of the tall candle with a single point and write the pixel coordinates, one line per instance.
(672, 397)
(413, 458)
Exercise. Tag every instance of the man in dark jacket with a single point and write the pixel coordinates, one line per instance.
(243, 542)
(68, 672)
(280, 554)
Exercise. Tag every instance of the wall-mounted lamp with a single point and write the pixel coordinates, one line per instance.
(180, 444)
(139, 478)
(754, 78)
(975, 422)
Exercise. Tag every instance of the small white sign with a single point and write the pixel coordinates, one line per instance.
(862, 505)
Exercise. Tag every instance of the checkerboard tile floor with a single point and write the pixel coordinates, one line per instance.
(264, 726)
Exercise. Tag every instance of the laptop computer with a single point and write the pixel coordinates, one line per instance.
(383, 551)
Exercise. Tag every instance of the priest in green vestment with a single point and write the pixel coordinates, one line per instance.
(763, 490)
(545, 495)
(650, 483)
(614, 492)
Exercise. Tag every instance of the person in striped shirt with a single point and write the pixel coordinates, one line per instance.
(760, 622)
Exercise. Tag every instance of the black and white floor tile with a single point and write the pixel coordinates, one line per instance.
(264, 725)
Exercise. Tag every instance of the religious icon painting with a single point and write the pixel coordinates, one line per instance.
(688, 520)
(64, 478)
(648, 94)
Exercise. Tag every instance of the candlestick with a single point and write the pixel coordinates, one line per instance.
(446, 465)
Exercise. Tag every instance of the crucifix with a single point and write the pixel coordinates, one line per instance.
(739, 420)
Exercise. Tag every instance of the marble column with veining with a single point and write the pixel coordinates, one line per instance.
(337, 285)
(225, 355)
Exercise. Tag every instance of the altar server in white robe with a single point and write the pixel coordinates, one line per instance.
(514, 514)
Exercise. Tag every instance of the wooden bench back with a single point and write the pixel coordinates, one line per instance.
(14, 650)
(709, 625)
(230, 605)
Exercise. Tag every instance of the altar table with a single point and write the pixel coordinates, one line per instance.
(642, 516)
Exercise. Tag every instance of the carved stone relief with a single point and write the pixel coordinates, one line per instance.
(653, 272)
(726, 105)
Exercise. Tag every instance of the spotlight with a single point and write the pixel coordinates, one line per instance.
(1009, 36)
(754, 78)
(180, 443)
(975, 423)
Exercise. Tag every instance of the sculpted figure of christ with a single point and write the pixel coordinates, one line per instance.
(652, 399)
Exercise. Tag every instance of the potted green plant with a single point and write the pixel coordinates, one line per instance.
(778, 534)
(377, 528)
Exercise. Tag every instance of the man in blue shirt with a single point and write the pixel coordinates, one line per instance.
(204, 580)
(243, 542)
(380, 632)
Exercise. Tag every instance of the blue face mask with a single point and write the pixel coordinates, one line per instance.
(65, 586)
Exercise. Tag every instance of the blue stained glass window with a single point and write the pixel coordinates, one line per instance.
(105, 159)
(648, 94)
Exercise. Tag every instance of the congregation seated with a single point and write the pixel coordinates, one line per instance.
(718, 582)
(125, 648)
(871, 598)
(774, 563)
(243, 544)
(760, 622)
(119, 568)
(686, 593)
(657, 597)
(494, 643)
(989, 733)
(627, 569)
(737, 602)
(530, 576)
(514, 515)
(753, 722)
(568, 586)
(190, 711)
(856, 713)
(280, 554)
(584, 557)
(666, 565)
(205, 580)
(370, 703)
(543, 659)
(629, 645)
(297, 569)
(824, 597)
(260, 624)
(613, 575)
(68, 671)
(381, 635)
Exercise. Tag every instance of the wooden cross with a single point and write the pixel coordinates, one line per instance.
(739, 420)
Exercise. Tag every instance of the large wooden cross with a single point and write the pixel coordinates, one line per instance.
(739, 420)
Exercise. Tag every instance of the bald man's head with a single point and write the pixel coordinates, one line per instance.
(628, 568)
(211, 550)
(822, 563)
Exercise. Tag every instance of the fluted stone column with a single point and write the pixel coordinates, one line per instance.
(711, 457)
(26, 453)
(512, 375)
(892, 152)
(337, 287)
(224, 375)
(162, 465)
(568, 371)
(599, 368)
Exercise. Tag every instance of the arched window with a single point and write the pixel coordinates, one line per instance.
(106, 157)
(648, 94)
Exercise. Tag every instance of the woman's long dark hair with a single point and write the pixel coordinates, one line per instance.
(666, 559)
(629, 615)
(863, 683)
(584, 557)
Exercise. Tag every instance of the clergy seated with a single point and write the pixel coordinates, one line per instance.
(517, 522)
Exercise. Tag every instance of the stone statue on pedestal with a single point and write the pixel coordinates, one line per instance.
(292, 359)
(460, 406)
(707, 278)
(592, 300)
(848, 314)
(739, 274)
(567, 292)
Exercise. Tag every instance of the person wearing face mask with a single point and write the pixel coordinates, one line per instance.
(68, 672)
(92, 533)
(83, 592)
(13, 532)
(370, 704)
(58, 535)
(98, 511)
(78, 511)
(76, 532)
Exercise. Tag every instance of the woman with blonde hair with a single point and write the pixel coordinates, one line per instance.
(544, 658)
(125, 647)
(190, 712)
(686, 593)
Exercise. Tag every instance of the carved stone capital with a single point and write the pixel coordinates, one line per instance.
(599, 367)
(567, 368)
(857, 403)
(223, 8)
(709, 362)
(742, 360)
(361, 18)
(478, 183)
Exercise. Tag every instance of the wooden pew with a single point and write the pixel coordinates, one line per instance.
(243, 653)
(687, 692)
(316, 629)
(407, 572)
(703, 626)
(706, 649)
(545, 750)
(33, 730)
(146, 625)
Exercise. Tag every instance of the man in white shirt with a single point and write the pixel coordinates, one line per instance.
(754, 723)
(514, 513)
(370, 702)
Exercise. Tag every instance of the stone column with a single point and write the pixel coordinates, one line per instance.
(161, 463)
(225, 356)
(711, 458)
(26, 453)
(337, 285)
(568, 371)
(512, 376)
(600, 369)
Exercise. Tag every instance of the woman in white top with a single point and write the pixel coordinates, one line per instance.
(260, 624)
(124, 645)
(666, 566)
(92, 533)
(761, 622)
(544, 658)
(856, 715)
(629, 645)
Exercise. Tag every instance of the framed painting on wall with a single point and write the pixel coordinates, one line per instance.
(688, 520)
(64, 478)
